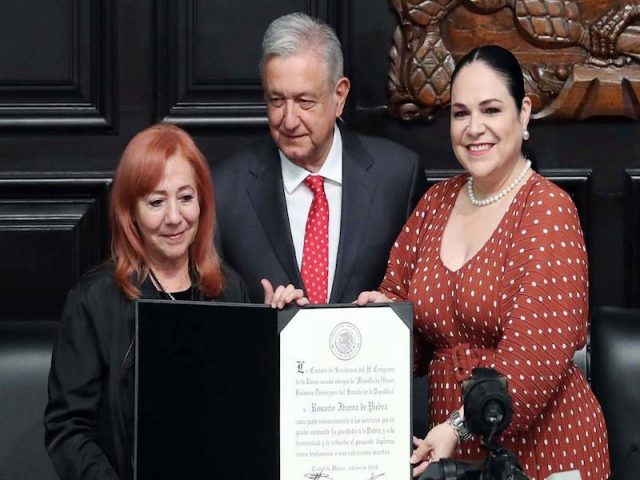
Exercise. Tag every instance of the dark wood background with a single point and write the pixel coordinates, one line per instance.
(79, 77)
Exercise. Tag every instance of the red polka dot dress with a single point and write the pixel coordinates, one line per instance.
(520, 305)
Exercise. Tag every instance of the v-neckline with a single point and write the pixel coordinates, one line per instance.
(493, 233)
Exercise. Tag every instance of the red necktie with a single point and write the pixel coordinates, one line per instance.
(315, 253)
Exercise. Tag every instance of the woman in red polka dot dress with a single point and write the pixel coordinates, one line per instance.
(495, 265)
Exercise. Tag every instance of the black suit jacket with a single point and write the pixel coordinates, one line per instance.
(382, 181)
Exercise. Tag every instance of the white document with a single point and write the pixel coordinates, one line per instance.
(345, 400)
(568, 475)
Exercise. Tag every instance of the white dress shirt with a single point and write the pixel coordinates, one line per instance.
(299, 198)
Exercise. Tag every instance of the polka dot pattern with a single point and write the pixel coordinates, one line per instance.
(519, 305)
(315, 252)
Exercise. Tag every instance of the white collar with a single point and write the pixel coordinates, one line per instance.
(293, 175)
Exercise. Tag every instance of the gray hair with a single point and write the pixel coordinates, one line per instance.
(298, 33)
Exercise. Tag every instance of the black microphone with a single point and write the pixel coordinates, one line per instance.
(448, 469)
(487, 404)
(487, 410)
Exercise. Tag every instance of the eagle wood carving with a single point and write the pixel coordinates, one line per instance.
(580, 58)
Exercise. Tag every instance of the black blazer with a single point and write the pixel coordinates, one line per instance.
(89, 418)
(382, 182)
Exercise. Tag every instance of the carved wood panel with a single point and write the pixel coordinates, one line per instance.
(632, 238)
(581, 58)
(52, 229)
(207, 56)
(59, 69)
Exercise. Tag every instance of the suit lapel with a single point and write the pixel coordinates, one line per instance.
(266, 192)
(358, 189)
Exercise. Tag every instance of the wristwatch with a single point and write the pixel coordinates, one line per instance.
(456, 421)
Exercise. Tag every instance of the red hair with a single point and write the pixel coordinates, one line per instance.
(141, 168)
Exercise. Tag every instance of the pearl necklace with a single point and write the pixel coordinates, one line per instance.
(501, 193)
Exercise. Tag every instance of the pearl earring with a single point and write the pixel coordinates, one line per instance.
(525, 135)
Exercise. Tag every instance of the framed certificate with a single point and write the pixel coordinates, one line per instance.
(345, 393)
(234, 391)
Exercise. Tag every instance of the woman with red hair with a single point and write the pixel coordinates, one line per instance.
(162, 221)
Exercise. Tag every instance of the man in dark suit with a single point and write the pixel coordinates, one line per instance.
(267, 210)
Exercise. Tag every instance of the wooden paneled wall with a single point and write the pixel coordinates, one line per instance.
(78, 78)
